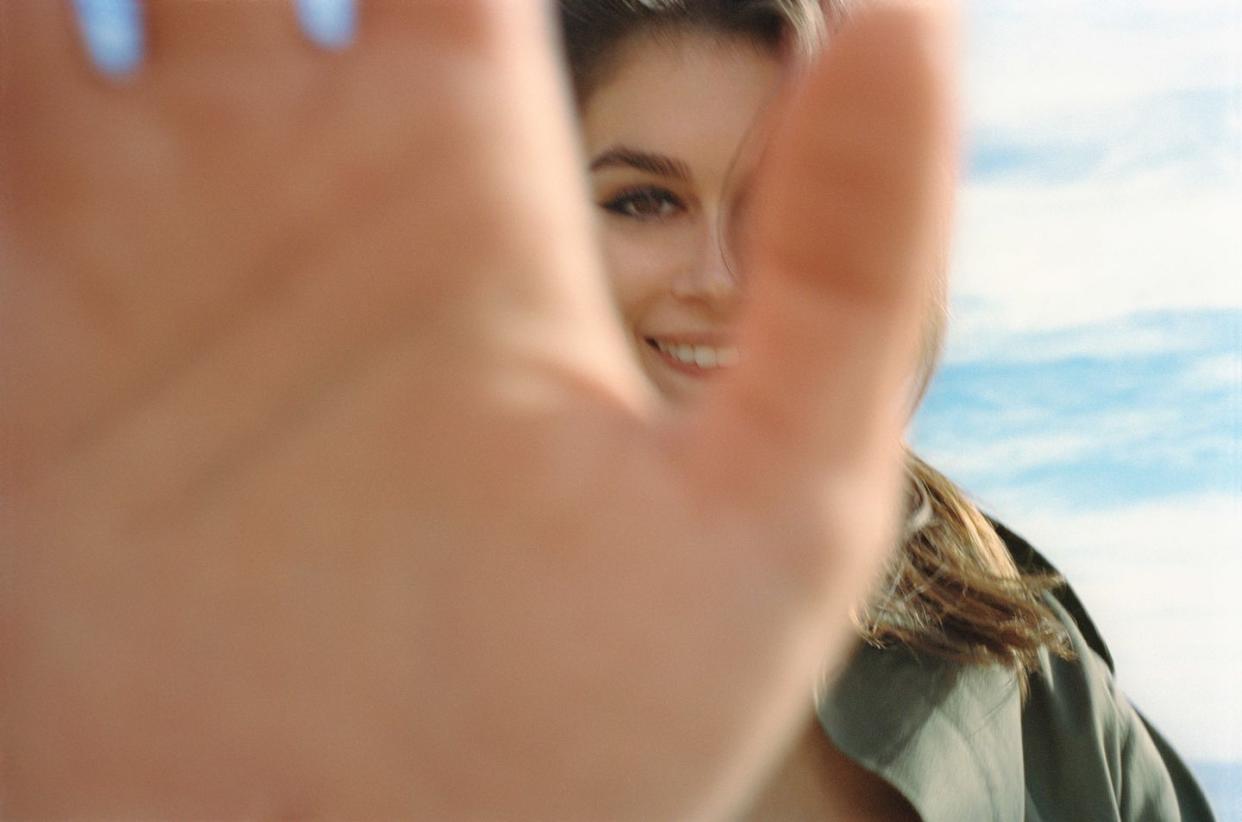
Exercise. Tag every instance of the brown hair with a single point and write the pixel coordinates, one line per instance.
(953, 590)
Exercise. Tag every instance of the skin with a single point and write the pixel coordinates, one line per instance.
(330, 486)
(666, 166)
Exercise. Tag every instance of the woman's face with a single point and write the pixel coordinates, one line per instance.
(662, 135)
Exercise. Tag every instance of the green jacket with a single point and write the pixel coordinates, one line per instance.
(961, 746)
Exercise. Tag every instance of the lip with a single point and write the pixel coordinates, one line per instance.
(715, 339)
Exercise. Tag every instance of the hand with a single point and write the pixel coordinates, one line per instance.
(328, 485)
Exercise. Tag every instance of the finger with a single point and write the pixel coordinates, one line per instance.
(328, 23)
(189, 30)
(426, 178)
(113, 33)
(42, 55)
(849, 214)
(483, 99)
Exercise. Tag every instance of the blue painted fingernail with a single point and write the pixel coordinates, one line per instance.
(113, 33)
(329, 23)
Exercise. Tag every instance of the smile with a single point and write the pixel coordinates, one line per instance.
(695, 356)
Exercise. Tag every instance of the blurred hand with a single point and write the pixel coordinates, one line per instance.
(328, 485)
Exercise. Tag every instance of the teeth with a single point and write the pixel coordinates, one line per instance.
(703, 356)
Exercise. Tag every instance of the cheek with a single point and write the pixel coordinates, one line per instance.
(642, 264)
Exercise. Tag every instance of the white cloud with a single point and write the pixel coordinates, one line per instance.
(1122, 121)
(980, 334)
(1084, 464)
(1221, 371)
(1028, 61)
(974, 458)
(1043, 257)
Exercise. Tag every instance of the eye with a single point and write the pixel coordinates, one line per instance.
(645, 203)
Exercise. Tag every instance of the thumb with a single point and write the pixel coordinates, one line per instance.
(848, 226)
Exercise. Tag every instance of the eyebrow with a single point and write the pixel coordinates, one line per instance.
(658, 164)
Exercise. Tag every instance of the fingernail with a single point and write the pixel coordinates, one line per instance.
(113, 33)
(329, 23)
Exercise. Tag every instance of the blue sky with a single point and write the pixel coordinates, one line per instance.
(1091, 393)
(1135, 409)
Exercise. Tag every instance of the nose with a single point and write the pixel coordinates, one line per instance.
(709, 276)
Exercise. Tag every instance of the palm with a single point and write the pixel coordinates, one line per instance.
(326, 454)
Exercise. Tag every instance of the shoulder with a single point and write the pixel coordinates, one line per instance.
(1086, 751)
(1031, 561)
(960, 743)
(1081, 736)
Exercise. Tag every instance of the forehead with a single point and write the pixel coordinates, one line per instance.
(679, 91)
